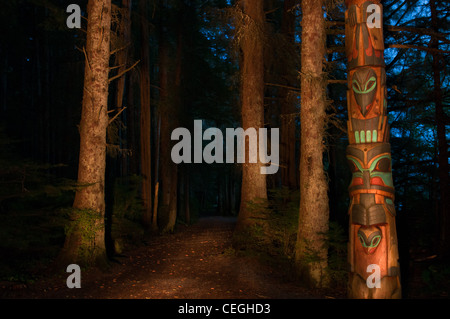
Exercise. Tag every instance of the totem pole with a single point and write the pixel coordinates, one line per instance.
(372, 251)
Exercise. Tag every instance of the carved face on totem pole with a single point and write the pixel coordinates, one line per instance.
(371, 187)
(364, 84)
(372, 209)
(369, 237)
(367, 105)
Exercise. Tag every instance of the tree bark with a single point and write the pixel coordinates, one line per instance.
(146, 160)
(187, 211)
(252, 90)
(170, 77)
(311, 253)
(122, 55)
(122, 58)
(289, 169)
(85, 241)
(165, 113)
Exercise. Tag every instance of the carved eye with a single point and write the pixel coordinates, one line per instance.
(383, 165)
(356, 87)
(371, 85)
(361, 239)
(353, 167)
(375, 241)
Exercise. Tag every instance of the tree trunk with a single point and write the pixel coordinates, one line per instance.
(164, 105)
(122, 55)
(169, 101)
(187, 211)
(5, 82)
(157, 160)
(85, 240)
(253, 182)
(289, 169)
(443, 220)
(122, 58)
(311, 253)
(132, 125)
(372, 229)
(146, 163)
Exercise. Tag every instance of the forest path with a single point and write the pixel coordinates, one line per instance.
(193, 263)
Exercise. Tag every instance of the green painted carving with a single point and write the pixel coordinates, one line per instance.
(364, 84)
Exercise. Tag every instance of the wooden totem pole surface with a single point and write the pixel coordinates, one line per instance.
(372, 251)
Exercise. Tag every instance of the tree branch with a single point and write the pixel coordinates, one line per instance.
(119, 49)
(118, 113)
(283, 86)
(123, 72)
(392, 28)
(416, 47)
(337, 82)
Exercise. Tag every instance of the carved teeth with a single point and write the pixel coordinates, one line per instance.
(368, 136)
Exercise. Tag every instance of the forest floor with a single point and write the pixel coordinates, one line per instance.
(196, 262)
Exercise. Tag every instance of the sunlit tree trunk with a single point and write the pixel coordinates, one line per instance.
(311, 253)
(252, 90)
(85, 239)
(373, 249)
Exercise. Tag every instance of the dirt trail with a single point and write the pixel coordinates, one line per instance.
(193, 263)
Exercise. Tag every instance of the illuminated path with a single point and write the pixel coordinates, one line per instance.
(196, 262)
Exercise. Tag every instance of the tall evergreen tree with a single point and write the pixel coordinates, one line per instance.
(311, 252)
(85, 239)
(145, 128)
(290, 175)
(252, 99)
(169, 75)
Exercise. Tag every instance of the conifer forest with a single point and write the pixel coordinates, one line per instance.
(226, 150)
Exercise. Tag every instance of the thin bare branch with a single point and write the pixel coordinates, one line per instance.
(123, 72)
(416, 47)
(284, 86)
(118, 113)
(116, 67)
(120, 49)
(87, 60)
(337, 82)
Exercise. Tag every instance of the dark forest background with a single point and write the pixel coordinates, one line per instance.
(41, 87)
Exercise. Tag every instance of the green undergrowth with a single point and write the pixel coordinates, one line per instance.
(34, 226)
(126, 227)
